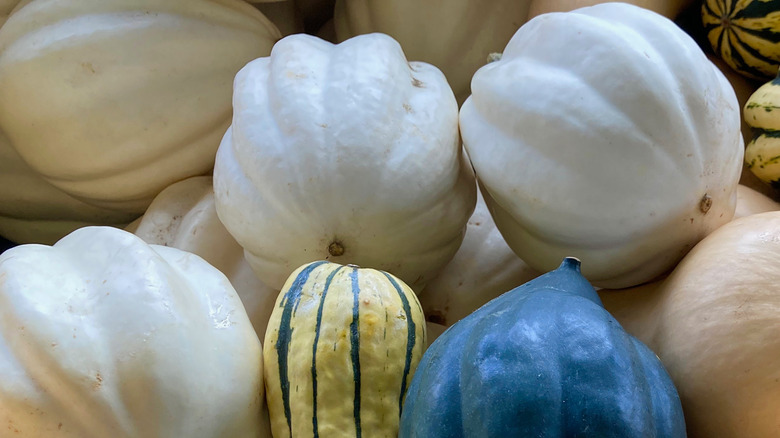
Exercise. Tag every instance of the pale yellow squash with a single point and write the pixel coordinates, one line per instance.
(112, 101)
(668, 8)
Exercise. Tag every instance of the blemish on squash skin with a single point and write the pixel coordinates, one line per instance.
(336, 248)
(98, 381)
(417, 83)
(705, 204)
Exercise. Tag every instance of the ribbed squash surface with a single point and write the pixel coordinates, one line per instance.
(341, 347)
(746, 34)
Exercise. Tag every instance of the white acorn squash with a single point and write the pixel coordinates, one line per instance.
(456, 38)
(483, 268)
(346, 153)
(112, 101)
(183, 216)
(626, 171)
(103, 335)
(668, 8)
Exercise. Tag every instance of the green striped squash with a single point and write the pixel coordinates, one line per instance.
(340, 350)
(746, 34)
(762, 113)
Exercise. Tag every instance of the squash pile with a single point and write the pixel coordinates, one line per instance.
(347, 218)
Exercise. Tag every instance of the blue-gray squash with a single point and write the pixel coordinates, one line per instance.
(542, 360)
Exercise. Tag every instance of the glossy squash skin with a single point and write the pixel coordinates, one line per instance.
(544, 359)
(340, 350)
(103, 335)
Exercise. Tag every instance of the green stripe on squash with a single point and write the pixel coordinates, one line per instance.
(745, 34)
(341, 347)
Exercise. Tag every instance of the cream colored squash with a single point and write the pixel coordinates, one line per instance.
(112, 101)
(714, 322)
(750, 201)
(483, 268)
(103, 335)
(456, 38)
(668, 8)
(347, 153)
(34, 211)
(623, 171)
(183, 216)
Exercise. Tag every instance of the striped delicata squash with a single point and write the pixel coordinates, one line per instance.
(762, 113)
(745, 33)
(340, 350)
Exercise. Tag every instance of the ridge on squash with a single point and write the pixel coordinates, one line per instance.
(340, 350)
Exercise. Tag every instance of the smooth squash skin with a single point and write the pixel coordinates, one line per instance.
(668, 8)
(103, 335)
(714, 322)
(34, 211)
(544, 359)
(564, 147)
(112, 101)
(750, 201)
(340, 350)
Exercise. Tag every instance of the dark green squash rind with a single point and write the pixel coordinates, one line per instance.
(544, 359)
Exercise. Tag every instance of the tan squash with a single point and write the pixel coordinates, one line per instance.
(751, 201)
(667, 8)
(715, 324)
